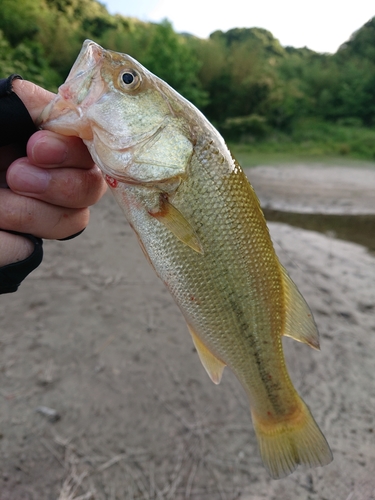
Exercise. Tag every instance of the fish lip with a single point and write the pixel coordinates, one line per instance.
(66, 112)
(44, 115)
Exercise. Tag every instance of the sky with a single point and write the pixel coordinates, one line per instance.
(321, 25)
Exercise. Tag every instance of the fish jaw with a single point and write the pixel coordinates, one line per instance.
(67, 113)
(63, 117)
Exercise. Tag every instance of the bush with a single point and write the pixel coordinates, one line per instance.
(245, 128)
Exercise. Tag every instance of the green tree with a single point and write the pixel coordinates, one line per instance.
(19, 20)
(361, 44)
(169, 56)
(240, 73)
(27, 59)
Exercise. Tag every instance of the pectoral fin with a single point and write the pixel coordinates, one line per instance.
(173, 219)
(213, 366)
(299, 324)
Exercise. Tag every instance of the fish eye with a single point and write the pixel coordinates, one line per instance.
(130, 79)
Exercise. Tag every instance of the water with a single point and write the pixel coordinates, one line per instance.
(355, 228)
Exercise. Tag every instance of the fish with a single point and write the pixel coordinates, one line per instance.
(201, 227)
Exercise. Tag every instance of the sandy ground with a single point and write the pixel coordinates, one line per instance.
(316, 188)
(94, 335)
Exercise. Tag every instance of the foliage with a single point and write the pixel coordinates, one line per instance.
(312, 137)
(27, 60)
(246, 83)
(245, 128)
(241, 64)
(361, 43)
(170, 57)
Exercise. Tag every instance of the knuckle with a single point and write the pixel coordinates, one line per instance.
(94, 186)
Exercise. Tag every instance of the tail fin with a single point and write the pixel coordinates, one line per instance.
(284, 445)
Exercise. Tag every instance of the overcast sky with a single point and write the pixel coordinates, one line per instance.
(321, 25)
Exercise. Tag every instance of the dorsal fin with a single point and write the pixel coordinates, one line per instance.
(299, 321)
(213, 366)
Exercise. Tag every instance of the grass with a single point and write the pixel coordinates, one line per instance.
(310, 140)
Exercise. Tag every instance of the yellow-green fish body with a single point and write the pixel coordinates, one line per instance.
(200, 225)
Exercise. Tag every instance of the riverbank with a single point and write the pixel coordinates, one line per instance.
(315, 188)
(94, 335)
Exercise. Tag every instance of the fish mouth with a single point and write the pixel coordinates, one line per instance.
(83, 86)
(65, 118)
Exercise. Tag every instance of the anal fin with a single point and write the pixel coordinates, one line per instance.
(213, 366)
(299, 324)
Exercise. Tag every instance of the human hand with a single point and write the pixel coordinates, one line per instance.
(50, 189)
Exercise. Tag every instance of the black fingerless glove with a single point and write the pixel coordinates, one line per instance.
(12, 275)
(16, 126)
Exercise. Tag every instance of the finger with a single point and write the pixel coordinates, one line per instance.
(48, 149)
(14, 248)
(64, 187)
(28, 215)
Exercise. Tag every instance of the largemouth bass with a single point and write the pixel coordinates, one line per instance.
(201, 227)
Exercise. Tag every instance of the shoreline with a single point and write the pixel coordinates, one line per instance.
(312, 188)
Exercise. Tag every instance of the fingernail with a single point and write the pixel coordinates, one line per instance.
(29, 179)
(49, 151)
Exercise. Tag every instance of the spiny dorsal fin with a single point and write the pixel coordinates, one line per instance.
(299, 321)
(213, 366)
(173, 219)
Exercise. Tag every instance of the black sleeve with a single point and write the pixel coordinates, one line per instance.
(16, 126)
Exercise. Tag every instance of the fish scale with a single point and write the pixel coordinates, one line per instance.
(200, 225)
(232, 314)
(235, 305)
